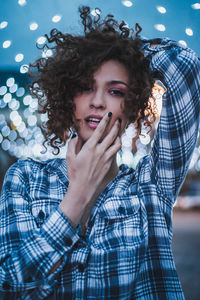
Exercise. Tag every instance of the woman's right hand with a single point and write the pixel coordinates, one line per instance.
(87, 167)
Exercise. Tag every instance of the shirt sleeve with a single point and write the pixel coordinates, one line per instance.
(179, 70)
(28, 253)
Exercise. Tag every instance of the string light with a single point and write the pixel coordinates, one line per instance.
(127, 3)
(56, 18)
(6, 44)
(183, 43)
(160, 27)
(33, 26)
(24, 69)
(41, 40)
(161, 9)
(3, 24)
(196, 6)
(19, 57)
(189, 31)
(95, 12)
(22, 2)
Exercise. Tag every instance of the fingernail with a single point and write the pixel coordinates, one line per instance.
(109, 114)
(73, 136)
(120, 120)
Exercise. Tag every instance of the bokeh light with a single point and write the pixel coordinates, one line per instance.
(127, 3)
(41, 40)
(19, 57)
(196, 5)
(161, 9)
(189, 31)
(6, 44)
(3, 24)
(33, 26)
(160, 27)
(22, 2)
(56, 18)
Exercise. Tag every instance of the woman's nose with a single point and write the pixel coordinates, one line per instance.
(98, 100)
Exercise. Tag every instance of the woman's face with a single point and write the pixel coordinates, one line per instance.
(106, 94)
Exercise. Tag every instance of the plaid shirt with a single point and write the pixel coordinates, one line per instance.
(126, 251)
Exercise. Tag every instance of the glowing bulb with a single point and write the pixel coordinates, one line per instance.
(145, 139)
(13, 115)
(95, 12)
(127, 3)
(189, 31)
(13, 88)
(127, 157)
(33, 26)
(17, 120)
(10, 81)
(6, 44)
(41, 40)
(32, 120)
(27, 100)
(22, 2)
(160, 27)
(56, 18)
(19, 57)
(20, 92)
(196, 6)
(5, 131)
(7, 97)
(24, 69)
(3, 24)
(3, 90)
(47, 53)
(5, 145)
(161, 9)
(183, 43)
(12, 135)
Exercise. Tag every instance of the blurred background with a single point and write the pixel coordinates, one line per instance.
(23, 24)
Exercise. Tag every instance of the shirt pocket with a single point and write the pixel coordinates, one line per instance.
(118, 224)
(42, 208)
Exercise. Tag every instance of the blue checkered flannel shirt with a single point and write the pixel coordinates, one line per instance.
(126, 251)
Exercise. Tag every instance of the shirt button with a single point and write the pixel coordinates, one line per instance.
(81, 268)
(121, 210)
(41, 215)
(67, 241)
(6, 285)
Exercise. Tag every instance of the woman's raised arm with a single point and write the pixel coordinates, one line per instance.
(179, 69)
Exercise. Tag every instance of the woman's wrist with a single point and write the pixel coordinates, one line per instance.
(73, 205)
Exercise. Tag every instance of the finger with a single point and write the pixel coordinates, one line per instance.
(71, 148)
(111, 136)
(99, 131)
(79, 145)
(116, 146)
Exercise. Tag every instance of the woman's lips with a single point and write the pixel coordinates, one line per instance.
(93, 121)
(92, 124)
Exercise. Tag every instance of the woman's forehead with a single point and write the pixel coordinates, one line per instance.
(112, 71)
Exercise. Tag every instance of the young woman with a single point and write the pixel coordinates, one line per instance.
(82, 228)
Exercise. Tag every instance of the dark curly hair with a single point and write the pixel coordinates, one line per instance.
(71, 67)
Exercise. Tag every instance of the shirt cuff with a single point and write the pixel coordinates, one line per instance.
(58, 232)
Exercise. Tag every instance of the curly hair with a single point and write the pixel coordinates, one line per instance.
(71, 67)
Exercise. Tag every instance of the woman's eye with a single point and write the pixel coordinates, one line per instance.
(117, 93)
(86, 89)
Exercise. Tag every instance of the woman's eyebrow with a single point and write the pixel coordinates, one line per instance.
(117, 82)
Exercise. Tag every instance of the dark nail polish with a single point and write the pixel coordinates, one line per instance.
(73, 136)
(109, 114)
(120, 120)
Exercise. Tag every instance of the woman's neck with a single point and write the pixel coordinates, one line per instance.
(112, 172)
